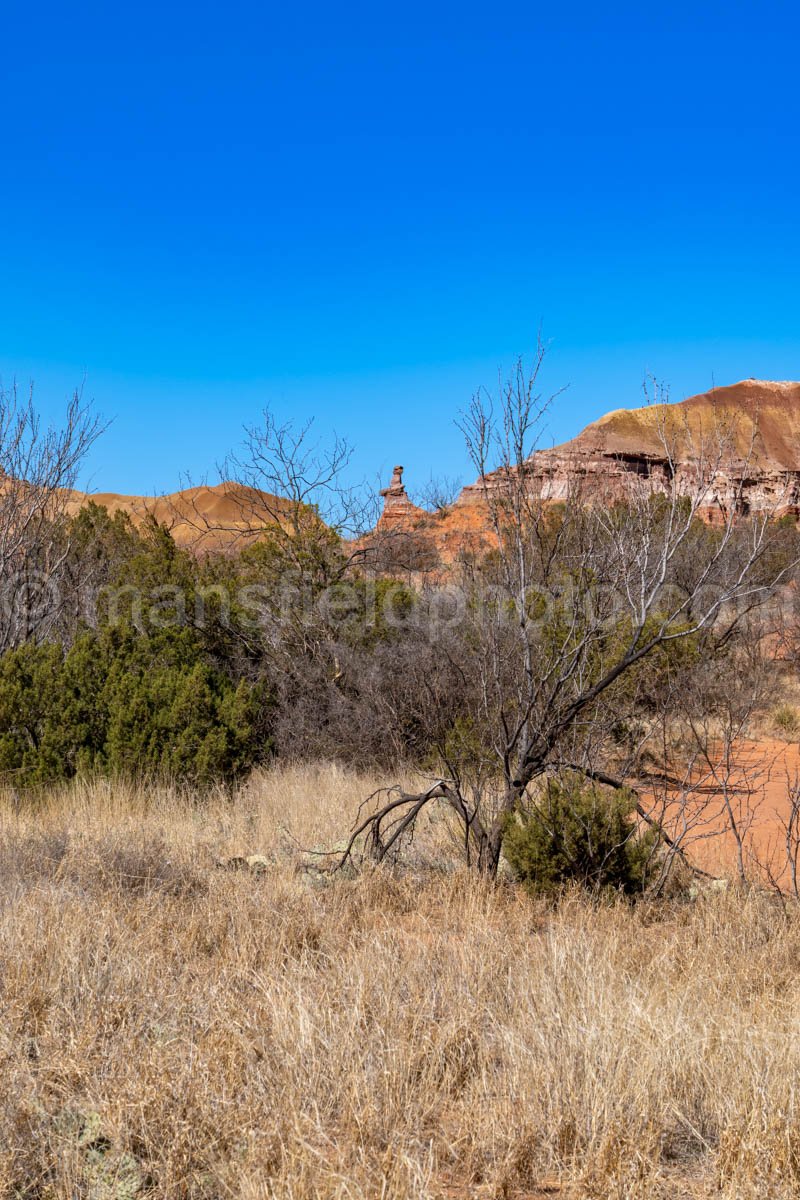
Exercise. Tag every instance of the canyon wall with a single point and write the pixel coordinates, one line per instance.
(742, 442)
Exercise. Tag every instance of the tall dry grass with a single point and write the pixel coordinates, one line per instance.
(173, 1029)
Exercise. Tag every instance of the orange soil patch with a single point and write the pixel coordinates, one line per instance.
(753, 796)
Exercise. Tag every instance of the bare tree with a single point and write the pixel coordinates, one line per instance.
(783, 868)
(438, 494)
(39, 467)
(289, 486)
(580, 597)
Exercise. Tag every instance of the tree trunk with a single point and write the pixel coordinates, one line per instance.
(490, 850)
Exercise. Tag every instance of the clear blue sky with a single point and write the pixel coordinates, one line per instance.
(360, 211)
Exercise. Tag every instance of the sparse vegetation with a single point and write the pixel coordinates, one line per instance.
(787, 719)
(175, 1029)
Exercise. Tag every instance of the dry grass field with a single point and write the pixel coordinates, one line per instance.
(174, 1029)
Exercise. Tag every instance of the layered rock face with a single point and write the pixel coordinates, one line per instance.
(739, 444)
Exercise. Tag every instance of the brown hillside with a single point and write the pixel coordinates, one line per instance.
(208, 517)
(764, 414)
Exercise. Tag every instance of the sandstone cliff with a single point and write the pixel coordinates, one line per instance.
(743, 440)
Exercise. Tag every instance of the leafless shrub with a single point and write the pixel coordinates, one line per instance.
(438, 494)
(39, 467)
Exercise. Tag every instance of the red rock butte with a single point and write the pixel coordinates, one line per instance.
(745, 439)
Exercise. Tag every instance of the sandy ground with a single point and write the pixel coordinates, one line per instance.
(750, 803)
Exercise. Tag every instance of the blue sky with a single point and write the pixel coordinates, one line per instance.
(359, 212)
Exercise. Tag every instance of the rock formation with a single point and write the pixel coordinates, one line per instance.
(397, 508)
(757, 425)
(743, 440)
